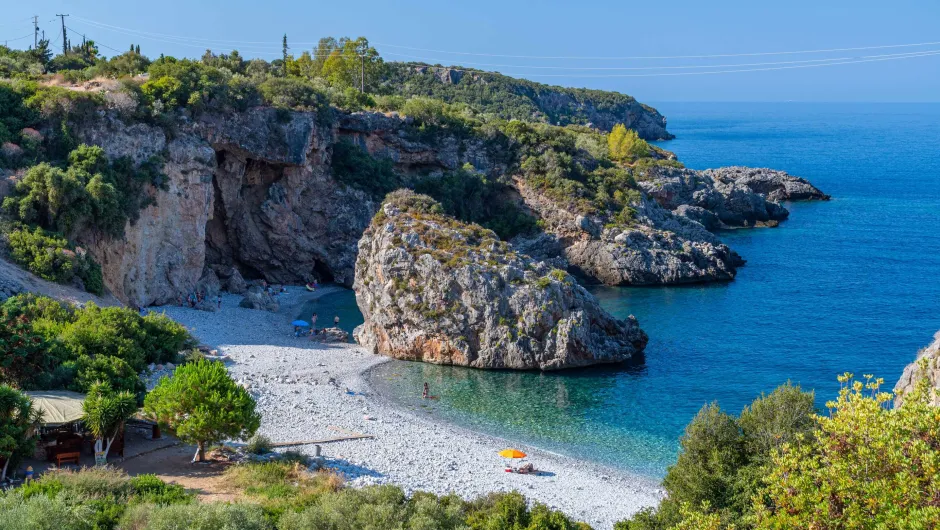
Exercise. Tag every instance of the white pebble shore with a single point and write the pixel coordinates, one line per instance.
(305, 390)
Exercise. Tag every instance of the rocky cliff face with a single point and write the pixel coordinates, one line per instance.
(252, 195)
(657, 248)
(728, 197)
(437, 290)
(925, 367)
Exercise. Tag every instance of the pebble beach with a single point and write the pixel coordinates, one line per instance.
(314, 391)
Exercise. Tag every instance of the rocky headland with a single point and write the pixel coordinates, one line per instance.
(437, 290)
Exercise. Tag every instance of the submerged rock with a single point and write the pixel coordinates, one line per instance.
(926, 366)
(438, 290)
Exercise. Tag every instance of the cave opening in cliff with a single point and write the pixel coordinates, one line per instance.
(322, 272)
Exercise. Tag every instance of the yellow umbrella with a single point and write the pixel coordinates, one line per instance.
(512, 453)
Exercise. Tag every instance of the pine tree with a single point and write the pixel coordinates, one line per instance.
(137, 51)
(284, 65)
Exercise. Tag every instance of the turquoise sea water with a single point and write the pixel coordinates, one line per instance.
(848, 285)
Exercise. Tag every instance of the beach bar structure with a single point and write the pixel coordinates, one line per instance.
(63, 437)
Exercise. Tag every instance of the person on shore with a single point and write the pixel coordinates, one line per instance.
(336, 321)
(219, 301)
(313, 325)
(427, 391)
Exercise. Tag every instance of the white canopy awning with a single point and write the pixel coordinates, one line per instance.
(58, 406)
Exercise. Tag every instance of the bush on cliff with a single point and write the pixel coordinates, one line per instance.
(90, 192)
(52, 258)
(473, 198)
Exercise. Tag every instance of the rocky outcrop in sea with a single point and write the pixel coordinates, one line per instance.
(437, 290)
(925, 367)
(657, 248)
(728, 197)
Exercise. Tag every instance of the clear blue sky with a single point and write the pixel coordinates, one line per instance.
(555, 28)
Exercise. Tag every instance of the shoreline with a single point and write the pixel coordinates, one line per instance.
(309, 390)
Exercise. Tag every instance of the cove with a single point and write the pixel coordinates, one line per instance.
(848, 285)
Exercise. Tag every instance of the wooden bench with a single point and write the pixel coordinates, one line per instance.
(67, 457)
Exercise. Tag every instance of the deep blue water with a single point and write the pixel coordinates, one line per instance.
(848, 285)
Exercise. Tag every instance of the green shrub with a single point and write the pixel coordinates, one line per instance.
(52, 258)
(24, 353)
(201, 404)
(473, 198)
(206, 516)
(354, 166)
(626, 144)
(152, 490)
(107, 369)
(39, 512)
(723, 456)
(258, 444)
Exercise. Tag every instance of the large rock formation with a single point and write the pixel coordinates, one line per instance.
(252, 195)
(437, 290)
(657, 248)
(727, 197)
(926, 366)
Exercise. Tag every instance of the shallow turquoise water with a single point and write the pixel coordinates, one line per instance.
(848, 285)
(340, 304)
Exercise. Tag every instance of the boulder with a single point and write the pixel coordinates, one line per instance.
(256, 297)
(437, 290)
(926, 366)
(236, 284)
(328, 335)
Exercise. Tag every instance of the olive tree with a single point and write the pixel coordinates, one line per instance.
(201, 404)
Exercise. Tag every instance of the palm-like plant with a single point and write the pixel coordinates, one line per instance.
(18, 421)
(105, 414)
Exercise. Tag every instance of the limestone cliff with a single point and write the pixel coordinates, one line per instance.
(728, 197)
(252, 194)
(926, 366)
(437, 290)
(656, 248)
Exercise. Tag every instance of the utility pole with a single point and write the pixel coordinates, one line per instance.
(35, 31)
(65, 39)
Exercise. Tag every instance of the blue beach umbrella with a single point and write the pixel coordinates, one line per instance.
(300, 323)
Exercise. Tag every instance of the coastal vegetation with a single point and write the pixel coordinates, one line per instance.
(201, 404)
(273, 495)
(71, 192)
(780, 464)
(47, 344)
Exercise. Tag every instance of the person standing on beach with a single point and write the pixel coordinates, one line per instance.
(427, 390)
(313, 323)
(336, 321)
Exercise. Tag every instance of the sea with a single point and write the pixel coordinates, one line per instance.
(849, 285)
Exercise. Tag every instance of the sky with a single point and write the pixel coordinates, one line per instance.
(598, 40)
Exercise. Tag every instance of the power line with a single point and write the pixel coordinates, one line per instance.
(712, 56)
(184, 39)
(673, 67)
(96, 41)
